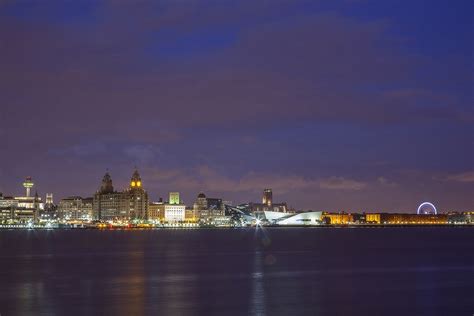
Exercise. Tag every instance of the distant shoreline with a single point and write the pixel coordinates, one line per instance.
(15, 227)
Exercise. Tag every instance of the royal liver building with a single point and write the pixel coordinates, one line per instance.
(129, 204)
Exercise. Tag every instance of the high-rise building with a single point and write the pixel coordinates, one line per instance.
(267, 197)
(109, 204)
(126, 205)
(138, 198)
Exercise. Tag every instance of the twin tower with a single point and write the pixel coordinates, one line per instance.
(129, 204)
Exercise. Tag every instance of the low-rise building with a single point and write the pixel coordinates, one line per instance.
(175, 211)
(337, 218)
(75, 208)
(167, 212)
(407, 218)
(156, 211)
(372, 218)
(209, 209)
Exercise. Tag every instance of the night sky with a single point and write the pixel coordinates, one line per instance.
(336, 105)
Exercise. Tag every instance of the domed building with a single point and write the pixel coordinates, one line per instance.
(208, 208)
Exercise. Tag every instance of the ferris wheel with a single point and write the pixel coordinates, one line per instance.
(427, 208)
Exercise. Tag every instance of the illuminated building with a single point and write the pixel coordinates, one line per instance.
(338, 218)
(174, 212)
(109, 204)
(174, 198)
(303, 218)
(461, 217)
(7, 208)
(169, 212)
(49, 198)
(137, 197)
(75, 208)
(259, 209)
(372, 218)
(21, 209)
(156, 211)
(267, 197)
(419, 219)
(191, 215)
(208, 209)
(201, 203)
(129, 204)
(50, 208)
(28, 184)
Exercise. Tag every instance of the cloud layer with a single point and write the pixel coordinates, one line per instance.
(327, 106)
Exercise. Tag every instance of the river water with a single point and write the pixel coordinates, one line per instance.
(263, 271)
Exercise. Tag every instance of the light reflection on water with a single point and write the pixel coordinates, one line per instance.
(237, 272)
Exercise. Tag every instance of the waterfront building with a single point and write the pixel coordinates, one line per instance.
(359, 218)
(21, 209)
(50, 209)
(208, 209)
(201, 202)
(7, 208)
(406, 218)
(337, 218)
(109, 204)
(302, 218)
(372, 218)
(191, 215)
(130, 204)
(460, 217)
(76, 208)
(137, 197)
(156, 211)
(174, 210)
(170, 212)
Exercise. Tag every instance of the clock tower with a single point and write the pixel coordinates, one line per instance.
(138, 198)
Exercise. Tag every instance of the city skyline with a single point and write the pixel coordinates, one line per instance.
(265, 194)
(335, 105)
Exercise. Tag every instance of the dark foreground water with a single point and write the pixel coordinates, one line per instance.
(279, 271)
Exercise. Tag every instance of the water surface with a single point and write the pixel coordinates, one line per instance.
(277, 271)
